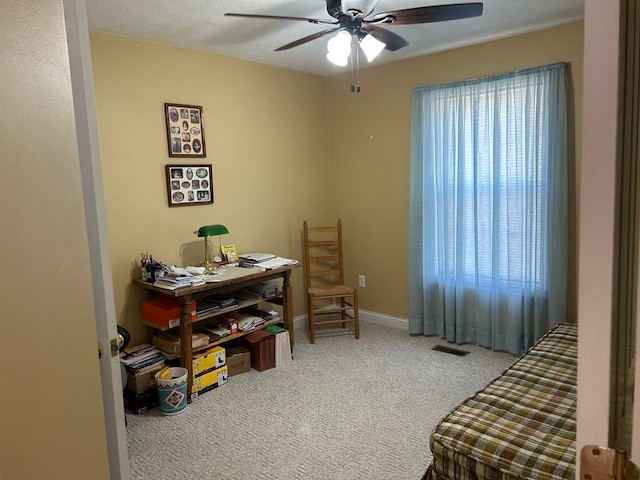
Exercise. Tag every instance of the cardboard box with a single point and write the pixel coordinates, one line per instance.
(140, 402)
(210, 380)
(261, 344)
(211, 359)
(142, 382)
(171, 343)
(238, 360)
(165, 312)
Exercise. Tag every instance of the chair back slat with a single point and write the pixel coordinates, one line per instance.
(323, 256)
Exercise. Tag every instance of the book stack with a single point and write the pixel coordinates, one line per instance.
(172, 281)
(204, 307)
(219, 330)
(223, 301)
(247, 321)
(264, 313)
(141, 358)
(244, 320)
(246, 295)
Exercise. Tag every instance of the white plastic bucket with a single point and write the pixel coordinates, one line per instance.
(172, 394)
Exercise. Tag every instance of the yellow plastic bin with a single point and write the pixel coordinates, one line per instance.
(172, 393)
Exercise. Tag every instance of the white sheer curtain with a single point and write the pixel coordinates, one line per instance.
(488, 209)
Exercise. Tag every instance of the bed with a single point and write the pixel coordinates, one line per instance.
(521, 425)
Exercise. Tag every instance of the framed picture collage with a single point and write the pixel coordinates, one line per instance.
(187, 184)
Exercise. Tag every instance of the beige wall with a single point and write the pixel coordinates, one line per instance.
(285, 147)
(51, 416)
(369, 139)
(266, 137)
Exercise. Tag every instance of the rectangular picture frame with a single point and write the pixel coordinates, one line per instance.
(189, 185)
(185, 130)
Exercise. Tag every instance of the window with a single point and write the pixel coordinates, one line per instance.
(488, 192)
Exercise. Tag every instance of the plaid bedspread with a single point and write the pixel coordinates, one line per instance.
(521, 425)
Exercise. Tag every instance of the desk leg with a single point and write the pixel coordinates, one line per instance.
(287, 304)
(186, 347)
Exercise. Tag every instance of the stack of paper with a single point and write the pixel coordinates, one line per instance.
(246, 295)
(141, 358)
(275, 263)
(173, 281)
(223, 301)
(204, 307)
(257, 257)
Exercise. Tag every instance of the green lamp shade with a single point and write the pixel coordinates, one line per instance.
(212, 230)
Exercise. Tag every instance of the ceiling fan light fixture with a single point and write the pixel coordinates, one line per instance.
(371, 47)
(339, 60)
(339, 48)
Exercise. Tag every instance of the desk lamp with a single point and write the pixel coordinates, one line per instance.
(210, 231)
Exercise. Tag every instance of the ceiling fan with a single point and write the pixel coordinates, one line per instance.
(355, 21)
(350, 19)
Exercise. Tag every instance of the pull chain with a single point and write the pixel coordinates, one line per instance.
(355, 67)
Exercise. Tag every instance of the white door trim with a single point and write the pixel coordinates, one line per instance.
(77, 28)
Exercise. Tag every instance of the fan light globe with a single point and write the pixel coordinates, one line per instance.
(337, 59)
(371, 47)
(339, 48)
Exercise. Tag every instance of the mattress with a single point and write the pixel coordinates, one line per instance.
(521, 425)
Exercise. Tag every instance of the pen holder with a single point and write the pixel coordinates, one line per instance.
(150, 272)
(146, 274)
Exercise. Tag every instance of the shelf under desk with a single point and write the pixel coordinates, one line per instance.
(237, 279)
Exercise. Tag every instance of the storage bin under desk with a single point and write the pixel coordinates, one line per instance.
(262, 345)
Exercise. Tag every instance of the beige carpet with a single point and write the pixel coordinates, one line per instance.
(343, 409)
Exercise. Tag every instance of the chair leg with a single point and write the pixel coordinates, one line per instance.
(343, 313)
(356, 316)
(311, 320)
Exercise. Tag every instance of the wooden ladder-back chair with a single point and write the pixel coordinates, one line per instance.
(327, 295)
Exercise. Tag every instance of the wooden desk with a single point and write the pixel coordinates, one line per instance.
(233, 280)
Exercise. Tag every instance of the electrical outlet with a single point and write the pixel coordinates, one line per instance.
(362, 281)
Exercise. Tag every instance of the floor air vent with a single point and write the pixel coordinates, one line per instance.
(452, 351)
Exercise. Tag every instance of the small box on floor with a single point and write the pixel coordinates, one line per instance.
(140, 402)
(261, 344)
(238, 360)
(142, 382)
(210, 380)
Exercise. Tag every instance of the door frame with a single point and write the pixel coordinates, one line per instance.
(77, 30)
(600, 151)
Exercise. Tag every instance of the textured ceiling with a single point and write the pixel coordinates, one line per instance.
(201, 25)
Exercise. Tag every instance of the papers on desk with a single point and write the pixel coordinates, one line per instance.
(275, 263)
(179, 277)
(265, 261)
(257, 257)
(171, 281)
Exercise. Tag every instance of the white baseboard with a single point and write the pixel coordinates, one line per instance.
(366, 316)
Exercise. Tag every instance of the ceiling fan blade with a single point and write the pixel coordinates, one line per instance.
(300, 41)
(436, 13)
(393, 42)
(280, 17)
